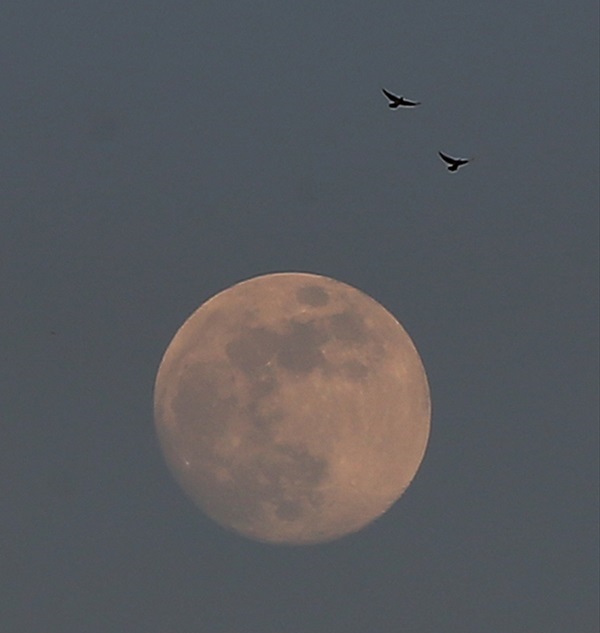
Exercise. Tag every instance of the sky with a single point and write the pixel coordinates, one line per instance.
(154, 153)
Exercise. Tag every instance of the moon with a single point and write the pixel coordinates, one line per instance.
(292, 408)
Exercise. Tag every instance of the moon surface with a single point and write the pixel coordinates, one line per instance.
(292, 408)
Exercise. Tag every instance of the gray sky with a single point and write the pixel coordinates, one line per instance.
(154, 153)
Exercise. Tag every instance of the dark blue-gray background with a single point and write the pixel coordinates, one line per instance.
(154, 153)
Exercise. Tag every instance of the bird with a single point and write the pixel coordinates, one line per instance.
(453, 163)
(399, 101)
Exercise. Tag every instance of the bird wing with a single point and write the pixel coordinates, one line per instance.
(389, 95)
(407, 102)
(448, 159)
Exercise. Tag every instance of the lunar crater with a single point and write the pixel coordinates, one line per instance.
(313, 295)
(253, 348)
(300, 349)
(349, 326)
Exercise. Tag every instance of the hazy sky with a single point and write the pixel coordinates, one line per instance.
(153, 153)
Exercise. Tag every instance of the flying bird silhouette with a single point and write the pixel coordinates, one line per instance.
(453, 163)
(395, 101)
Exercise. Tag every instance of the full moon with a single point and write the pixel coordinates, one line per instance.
(292, 408)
